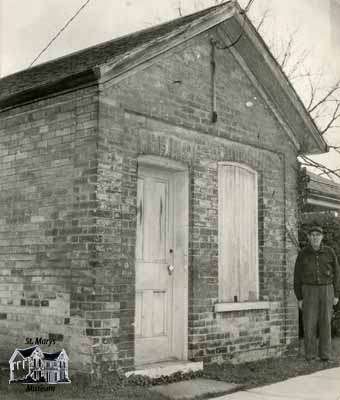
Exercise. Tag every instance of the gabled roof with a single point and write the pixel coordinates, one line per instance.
(55, 356)
(27, 352)
(111, 51)
(14, 356)
(52, 356)
(116, 57)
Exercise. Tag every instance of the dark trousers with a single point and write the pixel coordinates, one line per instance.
(317, 311)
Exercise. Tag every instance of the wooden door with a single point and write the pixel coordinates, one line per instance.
(154, 253)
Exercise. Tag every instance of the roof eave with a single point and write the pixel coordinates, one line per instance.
(83, 79)
(323, 201)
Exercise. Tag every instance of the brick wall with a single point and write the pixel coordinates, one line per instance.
(165, 110)
(47, 182)
(68, 209)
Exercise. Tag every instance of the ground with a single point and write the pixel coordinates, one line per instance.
(79, 389)
(272, 370)
(250, 374)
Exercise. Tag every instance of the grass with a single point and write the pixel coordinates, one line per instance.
(79, 389)
(249, 374)
(266, 371)
(271, 370)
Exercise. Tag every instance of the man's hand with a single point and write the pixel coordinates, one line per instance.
(300, 304)
(335, 301)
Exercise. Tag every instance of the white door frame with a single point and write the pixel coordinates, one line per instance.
(181, 243)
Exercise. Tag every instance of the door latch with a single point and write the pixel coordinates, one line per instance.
(171, 269)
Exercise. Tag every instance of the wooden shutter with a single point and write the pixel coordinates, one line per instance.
(238, 240)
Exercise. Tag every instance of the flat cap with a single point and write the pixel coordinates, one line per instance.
(315, 228)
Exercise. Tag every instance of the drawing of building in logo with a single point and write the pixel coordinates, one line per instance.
(32, 365)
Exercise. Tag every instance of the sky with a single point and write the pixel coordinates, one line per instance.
(26, 27)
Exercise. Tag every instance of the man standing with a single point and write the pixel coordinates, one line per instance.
(317, 288)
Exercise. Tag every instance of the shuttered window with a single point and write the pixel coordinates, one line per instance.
(238, 233)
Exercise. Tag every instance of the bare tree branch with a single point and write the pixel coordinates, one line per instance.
(300, 61)
(263, 19)
(307, 161)
(287, 51)
(179, 8)
(334, 117)
(326, 97)
(322, 104)
(312, 92)
(335, 172)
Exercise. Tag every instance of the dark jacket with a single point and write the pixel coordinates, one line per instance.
(316, 268)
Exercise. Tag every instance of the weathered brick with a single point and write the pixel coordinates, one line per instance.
(70, 195)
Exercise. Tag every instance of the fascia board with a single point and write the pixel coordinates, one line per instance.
(145, 56)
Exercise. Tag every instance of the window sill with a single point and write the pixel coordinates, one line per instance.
(228, 307)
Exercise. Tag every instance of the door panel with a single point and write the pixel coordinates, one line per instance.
(155, 220)
(159, 313)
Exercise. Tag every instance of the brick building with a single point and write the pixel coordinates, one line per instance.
(146, 186)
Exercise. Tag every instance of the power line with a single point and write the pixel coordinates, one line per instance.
(244, 12)
(60, 32)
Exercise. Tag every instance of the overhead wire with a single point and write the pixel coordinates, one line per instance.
(59, 32)
(244, 13)
(216, 45)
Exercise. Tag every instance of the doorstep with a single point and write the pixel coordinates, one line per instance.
(166, 368)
